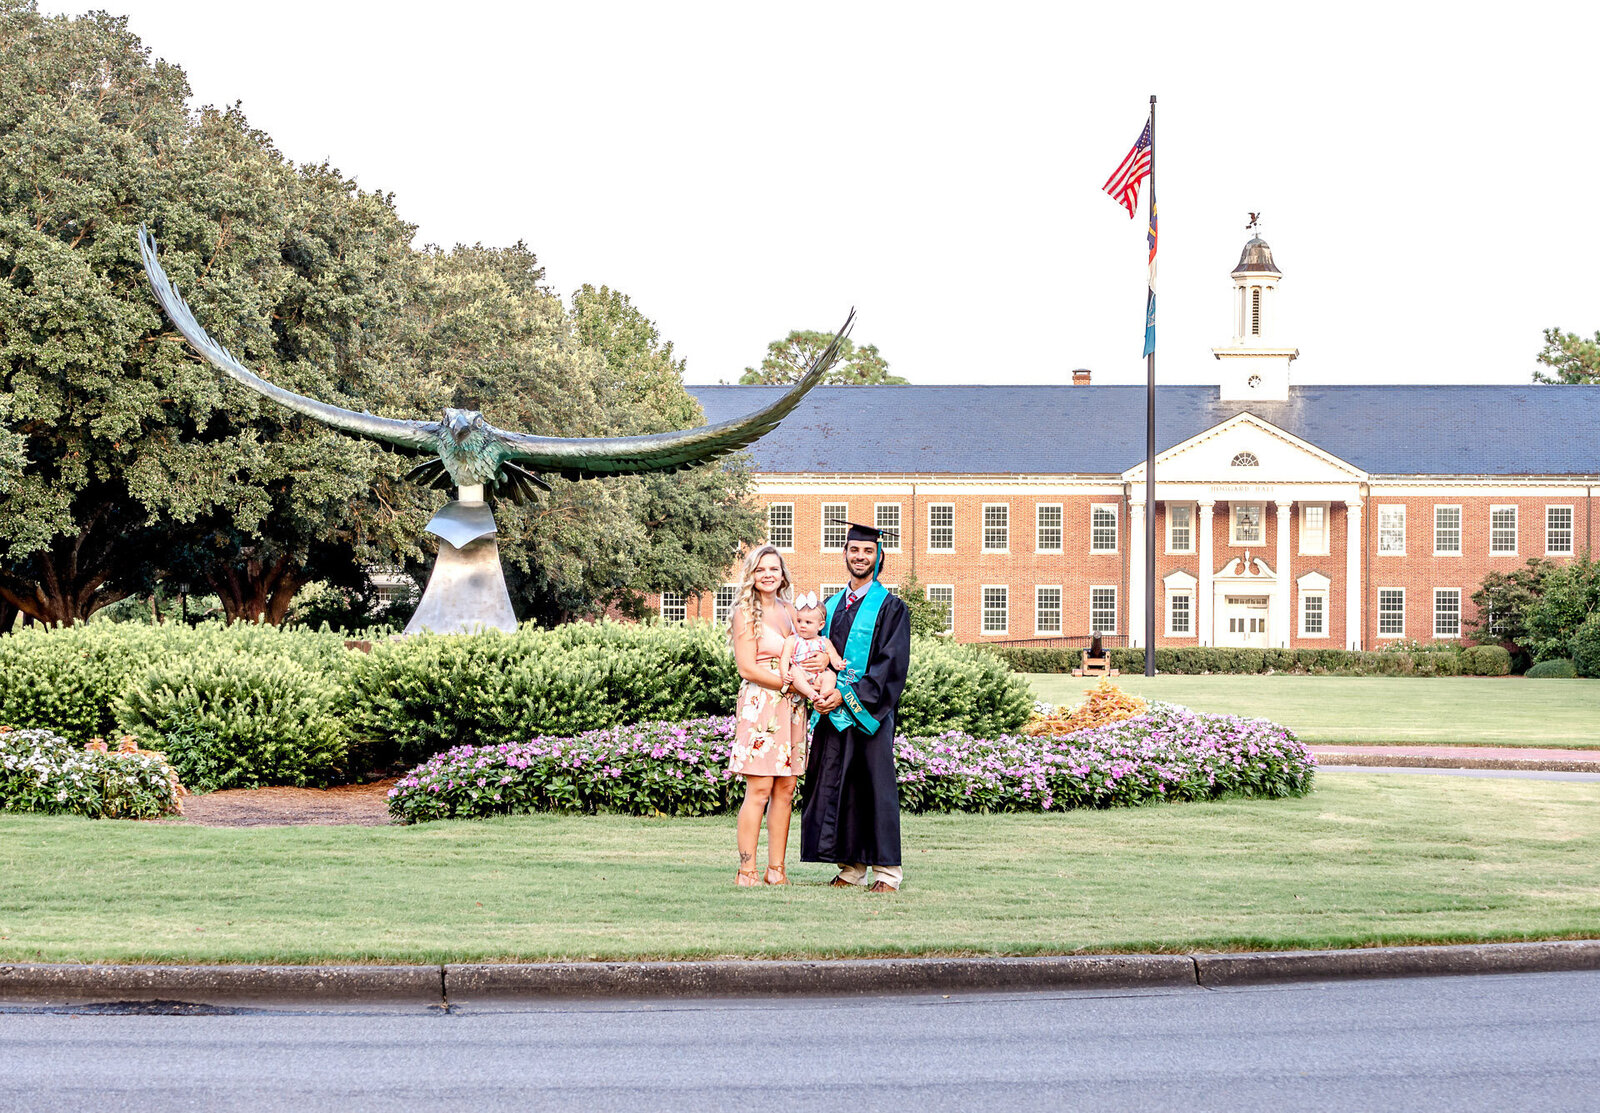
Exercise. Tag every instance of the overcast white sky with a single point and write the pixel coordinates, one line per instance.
(1426, 174)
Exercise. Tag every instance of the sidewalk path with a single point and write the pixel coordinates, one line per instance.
(1461, 757)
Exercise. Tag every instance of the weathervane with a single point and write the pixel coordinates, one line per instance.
(1255, 218)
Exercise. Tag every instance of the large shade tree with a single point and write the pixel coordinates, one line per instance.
(125, 460)
(696, 520)
(138, 460)
(787, 359)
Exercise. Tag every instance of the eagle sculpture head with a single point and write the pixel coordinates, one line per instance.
(460, 424)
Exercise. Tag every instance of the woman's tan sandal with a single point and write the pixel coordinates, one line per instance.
(783, 878)
(745, 879)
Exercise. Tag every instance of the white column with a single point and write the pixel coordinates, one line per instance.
(1202, 603)
(1136, 573)
(1352, 574)
(1282, 614)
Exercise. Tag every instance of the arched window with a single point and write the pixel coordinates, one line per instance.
(1246, 460)
(1255, 311)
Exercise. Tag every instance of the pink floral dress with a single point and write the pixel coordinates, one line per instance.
(769, 736)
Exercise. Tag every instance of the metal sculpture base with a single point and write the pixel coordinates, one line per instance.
(466, 592)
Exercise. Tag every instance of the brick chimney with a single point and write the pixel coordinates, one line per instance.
(1080, 377)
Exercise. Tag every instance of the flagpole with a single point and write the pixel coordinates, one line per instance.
(1150, 450)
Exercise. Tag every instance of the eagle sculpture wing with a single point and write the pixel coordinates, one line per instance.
(589, 457)
(407, 434)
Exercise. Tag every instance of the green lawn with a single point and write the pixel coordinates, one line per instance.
(1366, 859)
(1375, 710)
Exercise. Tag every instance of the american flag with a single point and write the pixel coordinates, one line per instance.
(1123, 185)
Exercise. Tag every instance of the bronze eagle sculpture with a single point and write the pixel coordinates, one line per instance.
(467, 450)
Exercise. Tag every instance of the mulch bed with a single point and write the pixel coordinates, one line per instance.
(356, 805)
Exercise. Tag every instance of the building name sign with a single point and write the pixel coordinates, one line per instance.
(1241, 489)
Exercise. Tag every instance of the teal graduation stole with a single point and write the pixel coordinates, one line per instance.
(857, 648)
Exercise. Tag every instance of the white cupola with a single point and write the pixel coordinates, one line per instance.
(1254, 364)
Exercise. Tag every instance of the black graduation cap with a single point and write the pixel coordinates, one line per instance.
(859, 532)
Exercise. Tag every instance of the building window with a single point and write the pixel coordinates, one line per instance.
(1102, 529)
(1180, 528)
(1314, 529)
(1447, 612)
(1392, 530)
(1447, 531)
(1313, 614)
(833, 527)
(1557, 530)
(828, 591)
(780, 525)
(886, 516)
(994, 610)
(1245, 460)
(674, 608)
(1048, 528)
(1102, 610)
(942, 527)
(1180, 612)
(1246, 519)
(1255, 311)
(996, 527)
(1391, 612)
(945, 594)
(1047, 610)
(1503, 530)
(723, 605)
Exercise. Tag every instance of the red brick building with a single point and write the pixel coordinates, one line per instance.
(1329, 516)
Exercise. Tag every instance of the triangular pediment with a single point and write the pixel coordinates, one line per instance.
(1222, 453)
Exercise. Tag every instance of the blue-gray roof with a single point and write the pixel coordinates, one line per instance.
(1097, 430)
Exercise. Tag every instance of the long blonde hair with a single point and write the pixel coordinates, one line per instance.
(747, 599)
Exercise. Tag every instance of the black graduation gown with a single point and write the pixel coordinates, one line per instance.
(851, 809)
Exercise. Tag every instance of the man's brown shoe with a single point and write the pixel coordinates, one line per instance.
(882, 887)
(841, 883)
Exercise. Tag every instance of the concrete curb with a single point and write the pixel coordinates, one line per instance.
(233, 985)
(1397, 962)
(458, 984)
(841, 978)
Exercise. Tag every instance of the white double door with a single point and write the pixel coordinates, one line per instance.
(1242, 621)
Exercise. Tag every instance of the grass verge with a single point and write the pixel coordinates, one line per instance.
(1365, 860)
(1378, 710)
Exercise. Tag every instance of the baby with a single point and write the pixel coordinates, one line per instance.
(807, 648)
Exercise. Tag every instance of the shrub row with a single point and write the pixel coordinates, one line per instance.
(681, 769)
(1448, 660)
(40, 771)
(245, 706)
(69, 680)
(1586, 647)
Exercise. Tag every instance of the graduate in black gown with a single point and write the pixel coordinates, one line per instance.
(851, 813)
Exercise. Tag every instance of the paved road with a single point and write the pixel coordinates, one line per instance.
(1432, 771)
(1500, 1042)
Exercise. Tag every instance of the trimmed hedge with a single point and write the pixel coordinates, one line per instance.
(232, 719)
(680, 769)
(1447, 660)
(951, 686)
(1586, 647)
(69, 680)
(1558, 668)
(419, 696)
(255, 705)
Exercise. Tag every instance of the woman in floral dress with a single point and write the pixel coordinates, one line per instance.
(769, 743)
